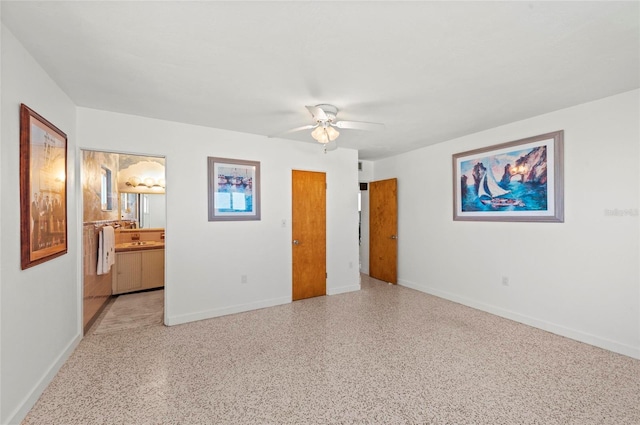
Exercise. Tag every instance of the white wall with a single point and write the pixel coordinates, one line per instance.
(40, 306)
(1, 206)
(205, 260)
(579, 278)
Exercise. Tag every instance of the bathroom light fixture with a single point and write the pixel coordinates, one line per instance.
(135, 181)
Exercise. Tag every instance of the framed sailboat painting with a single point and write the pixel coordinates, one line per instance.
(515, 181)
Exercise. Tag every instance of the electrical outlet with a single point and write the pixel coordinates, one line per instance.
(243, 279)
(505, 281)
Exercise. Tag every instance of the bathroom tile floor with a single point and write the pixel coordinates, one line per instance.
(130, 311)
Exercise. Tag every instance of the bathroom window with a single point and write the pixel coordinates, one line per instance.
(106, 198)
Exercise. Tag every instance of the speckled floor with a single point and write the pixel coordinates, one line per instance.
(383, 355)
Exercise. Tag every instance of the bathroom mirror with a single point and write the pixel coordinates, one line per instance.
(148, 210)
(152, 211)
(129, 206)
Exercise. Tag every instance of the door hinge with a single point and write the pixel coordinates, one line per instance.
(326, 275)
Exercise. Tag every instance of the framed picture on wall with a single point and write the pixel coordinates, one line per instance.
(515, 181)
(233, 189)
(43, 189)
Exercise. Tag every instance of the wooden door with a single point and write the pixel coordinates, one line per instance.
(383, 230)
(309, 244)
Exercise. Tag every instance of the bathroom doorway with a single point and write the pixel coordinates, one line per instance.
(122, 197)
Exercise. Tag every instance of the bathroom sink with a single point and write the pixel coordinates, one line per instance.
(139, 245)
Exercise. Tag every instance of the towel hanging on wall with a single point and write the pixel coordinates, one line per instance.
(106, 249)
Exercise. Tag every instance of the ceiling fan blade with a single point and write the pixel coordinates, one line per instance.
(293, 130)
(359, 125)
(317, 113)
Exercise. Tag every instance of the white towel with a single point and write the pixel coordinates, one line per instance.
(106, 249)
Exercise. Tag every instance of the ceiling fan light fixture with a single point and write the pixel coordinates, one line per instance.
(332, 133)
(320, 135)
(325, 134)
(325, 125)
(317, 133)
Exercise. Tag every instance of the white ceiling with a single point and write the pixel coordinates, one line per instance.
(431, 71)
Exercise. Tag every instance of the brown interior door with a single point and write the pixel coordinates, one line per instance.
(309, 245)
(383, 230)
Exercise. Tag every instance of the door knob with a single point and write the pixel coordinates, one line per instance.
(394, 236)
(296, 242)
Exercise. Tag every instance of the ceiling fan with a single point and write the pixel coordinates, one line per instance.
(325, 124)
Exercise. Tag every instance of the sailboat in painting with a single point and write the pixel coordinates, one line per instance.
(490, 192)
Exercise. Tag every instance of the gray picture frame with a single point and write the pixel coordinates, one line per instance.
(528, 188)
(233, 189)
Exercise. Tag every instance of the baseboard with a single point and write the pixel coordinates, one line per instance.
(241, 308)
(574, 334)
(343, 289)
(30, 400)
(97, 314)
(224, 311)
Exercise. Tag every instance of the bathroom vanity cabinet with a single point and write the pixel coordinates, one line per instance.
(138, 270)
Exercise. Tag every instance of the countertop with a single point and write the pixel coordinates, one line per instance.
(139, 246)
